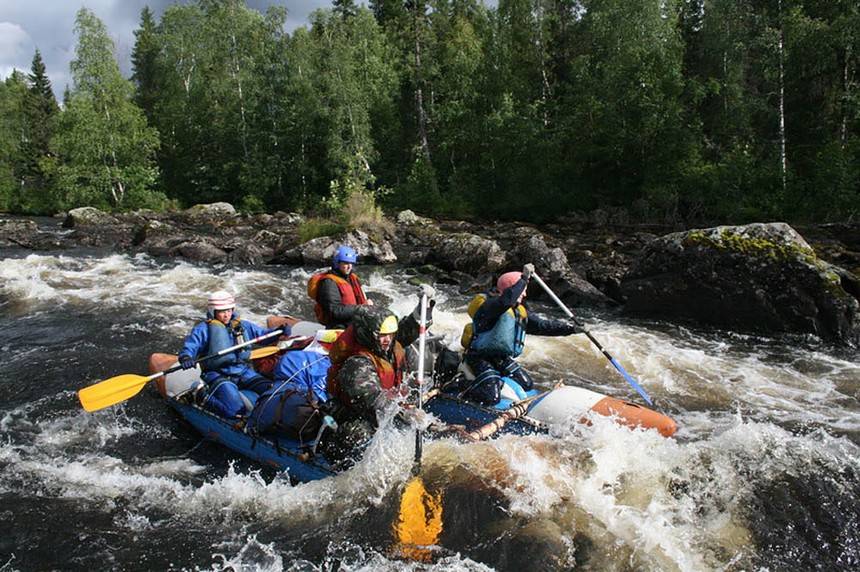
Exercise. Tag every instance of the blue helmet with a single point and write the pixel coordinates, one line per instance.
(344, 253)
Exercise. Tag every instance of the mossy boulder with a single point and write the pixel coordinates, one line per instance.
(759, 277)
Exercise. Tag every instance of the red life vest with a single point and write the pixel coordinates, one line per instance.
(350, 292)
(390, 374)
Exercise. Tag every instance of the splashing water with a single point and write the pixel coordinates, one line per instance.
(762, 475)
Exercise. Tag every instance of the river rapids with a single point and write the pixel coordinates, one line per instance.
(763, 474)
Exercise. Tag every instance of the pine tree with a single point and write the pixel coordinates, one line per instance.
(144, 59)
(40, 110)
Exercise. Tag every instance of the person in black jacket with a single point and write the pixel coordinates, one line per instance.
(338, 292)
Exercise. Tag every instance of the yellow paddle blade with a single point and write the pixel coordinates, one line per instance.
(111, 391)
(265, 351)
(419, 523)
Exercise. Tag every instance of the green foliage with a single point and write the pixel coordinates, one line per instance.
(316, 227)
(105, 147)
(13, 95)
(678, 110)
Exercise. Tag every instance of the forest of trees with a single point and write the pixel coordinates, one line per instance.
(696, 110)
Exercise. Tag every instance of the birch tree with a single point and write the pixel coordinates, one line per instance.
(105, 147)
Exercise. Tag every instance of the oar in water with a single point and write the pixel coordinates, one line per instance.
(420, 519)
(122, 387)
(606, 354)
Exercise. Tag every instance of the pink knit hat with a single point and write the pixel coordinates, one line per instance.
(507, 280)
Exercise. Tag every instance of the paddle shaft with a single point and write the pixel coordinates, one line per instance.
(600, 347)
(258, 339)
(422, 342)
(123, 387)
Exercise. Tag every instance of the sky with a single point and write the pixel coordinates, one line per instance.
(49, 26)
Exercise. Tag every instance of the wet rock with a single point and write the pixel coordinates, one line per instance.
(211, 210)
(320, 250)
(199, 251)
(552, 265)
(153, 231)
(250, 254)
(88, 217)
(409, 218)
(18, 232)
(757, 278)
(466, 252)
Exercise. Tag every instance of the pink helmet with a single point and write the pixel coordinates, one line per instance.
(507, 280)
(221, 300)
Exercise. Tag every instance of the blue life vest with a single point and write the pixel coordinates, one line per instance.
(222, 337)
(506, 338)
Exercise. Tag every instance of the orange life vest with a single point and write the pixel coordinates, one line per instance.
(349, 287)
(390, 374)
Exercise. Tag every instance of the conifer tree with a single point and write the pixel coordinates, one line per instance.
(144, 59)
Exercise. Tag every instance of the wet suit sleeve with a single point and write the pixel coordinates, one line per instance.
(252, 330)
(328, 296)
(495, 306)
(360, 383)
(196, 341)
(540, 326)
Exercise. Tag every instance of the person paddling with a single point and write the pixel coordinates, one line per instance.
(368, 367)
(497, 334)
(226, 375)
(337, 292)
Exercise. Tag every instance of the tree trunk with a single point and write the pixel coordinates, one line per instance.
(783, 163)
(419, 92)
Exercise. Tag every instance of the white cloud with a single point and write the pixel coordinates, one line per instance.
(16, 48)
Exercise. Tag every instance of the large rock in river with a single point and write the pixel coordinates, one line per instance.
(755, 278)
(320, 250)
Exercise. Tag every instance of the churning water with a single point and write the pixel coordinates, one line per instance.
(762, 475)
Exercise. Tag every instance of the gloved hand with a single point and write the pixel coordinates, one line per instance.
(426, 290)
(575, 327)
(430, 292)
(528, 270)
(186, 361)
(417, 417)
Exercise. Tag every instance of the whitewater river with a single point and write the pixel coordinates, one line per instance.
(763, 474)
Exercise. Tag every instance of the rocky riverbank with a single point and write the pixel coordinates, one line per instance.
(759, 278)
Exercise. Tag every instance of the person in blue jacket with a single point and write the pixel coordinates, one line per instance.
(225, 375)
(497, 335)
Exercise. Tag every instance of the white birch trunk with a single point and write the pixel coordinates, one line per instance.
(783, 162)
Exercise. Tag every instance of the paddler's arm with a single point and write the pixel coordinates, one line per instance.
(252, 330)
(494, 306)
(408, 328)
(540, 326)
(360, 384)
(195, 341)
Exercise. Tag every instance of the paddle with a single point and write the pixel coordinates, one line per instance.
(122, 387)
(265, 351)
(420, 519)
(422, 342)
(611, 359)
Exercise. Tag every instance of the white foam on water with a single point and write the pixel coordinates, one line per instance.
(254, 556)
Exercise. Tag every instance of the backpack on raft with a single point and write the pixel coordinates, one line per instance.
(286, 411)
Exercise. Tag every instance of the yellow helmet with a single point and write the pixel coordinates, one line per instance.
(389, 325)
